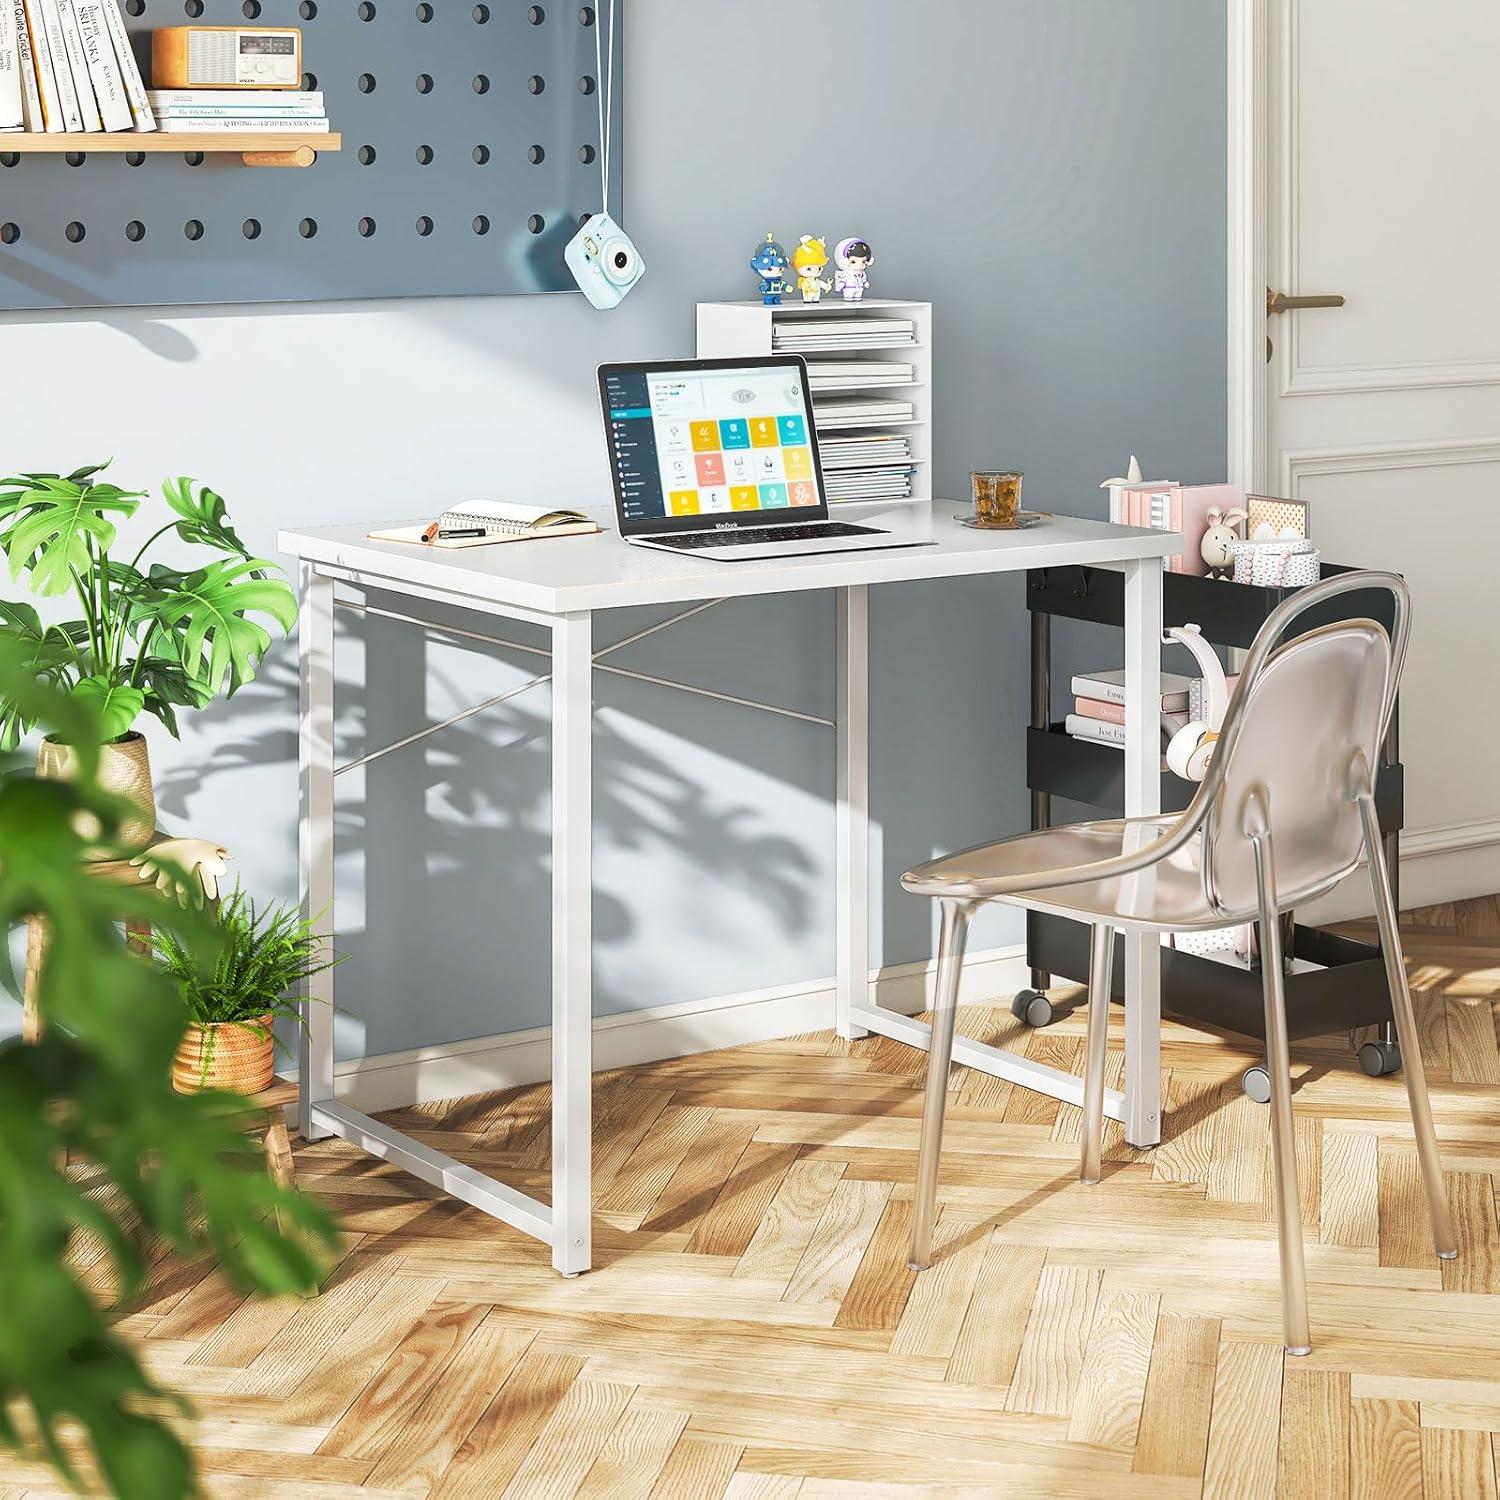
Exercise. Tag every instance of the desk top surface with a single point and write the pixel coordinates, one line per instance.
(563, 575)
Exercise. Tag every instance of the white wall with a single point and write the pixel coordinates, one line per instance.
(1062, 345)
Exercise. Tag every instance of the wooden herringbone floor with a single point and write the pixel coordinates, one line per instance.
(752, 1329)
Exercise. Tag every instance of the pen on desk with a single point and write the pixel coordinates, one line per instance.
(430, 533)
(461, 532)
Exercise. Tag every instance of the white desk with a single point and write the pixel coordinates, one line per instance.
(560, 585)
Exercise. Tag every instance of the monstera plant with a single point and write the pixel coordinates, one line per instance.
(105, 1169)
(153, 636)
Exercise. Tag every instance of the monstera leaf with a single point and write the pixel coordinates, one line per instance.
(205, 518)
(53, 521)
(117, 704)
(168, 688)
(207, 612)
(38, 652)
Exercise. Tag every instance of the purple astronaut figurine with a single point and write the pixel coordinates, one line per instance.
(852, 259)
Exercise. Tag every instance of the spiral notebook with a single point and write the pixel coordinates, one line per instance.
(498, 521)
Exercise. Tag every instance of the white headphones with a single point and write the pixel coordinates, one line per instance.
(1192, 747)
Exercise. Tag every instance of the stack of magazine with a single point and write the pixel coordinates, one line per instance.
(824, 375)
(66, 65)
(866, 466)
(187, 111)
(795, 335)
(863, 412)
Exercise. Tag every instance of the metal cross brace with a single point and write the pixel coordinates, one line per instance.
(492, 640)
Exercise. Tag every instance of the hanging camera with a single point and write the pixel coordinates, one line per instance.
(602, 257)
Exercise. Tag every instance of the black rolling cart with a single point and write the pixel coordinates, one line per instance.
(1348, 988)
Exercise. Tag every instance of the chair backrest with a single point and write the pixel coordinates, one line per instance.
(1302, 737)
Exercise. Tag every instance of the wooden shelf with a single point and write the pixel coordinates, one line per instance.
(260, 148)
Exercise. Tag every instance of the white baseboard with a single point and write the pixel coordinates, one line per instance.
(1452, 863)
(394, 1079)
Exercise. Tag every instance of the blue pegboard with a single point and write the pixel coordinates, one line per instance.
(470, 141)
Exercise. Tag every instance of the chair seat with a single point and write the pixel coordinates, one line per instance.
(1167, 896)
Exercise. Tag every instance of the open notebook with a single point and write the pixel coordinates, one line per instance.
(498, 521)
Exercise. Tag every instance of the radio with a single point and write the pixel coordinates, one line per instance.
(216, 57)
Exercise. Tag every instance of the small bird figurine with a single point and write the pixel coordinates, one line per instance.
(1132, 475)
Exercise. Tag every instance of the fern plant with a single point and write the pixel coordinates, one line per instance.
(266, 953)
(152, 638)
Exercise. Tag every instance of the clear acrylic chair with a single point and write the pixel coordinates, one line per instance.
(1283, 813)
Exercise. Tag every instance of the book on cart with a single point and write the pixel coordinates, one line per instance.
(1110, 686)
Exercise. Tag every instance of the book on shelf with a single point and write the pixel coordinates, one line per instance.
(135, 86)
(1110, 687)
(12, 113)
(46, 74)
(238, 101)
(236, 124)
(105, 72)
(62, 74)
(31, 99)
(70, 64)
(78, 66)
(1106, 732)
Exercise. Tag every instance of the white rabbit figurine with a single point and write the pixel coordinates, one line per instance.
(1215, 545)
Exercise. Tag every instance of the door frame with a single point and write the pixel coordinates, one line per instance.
(1248, 92)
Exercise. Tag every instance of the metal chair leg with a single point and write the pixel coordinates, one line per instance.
(1406, 1032)
(1283, 1142)
(951, 940)
(1101, 964)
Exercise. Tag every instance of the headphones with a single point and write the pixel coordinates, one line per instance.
(1192, 747)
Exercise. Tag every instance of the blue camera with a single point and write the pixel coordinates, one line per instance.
(604, 261)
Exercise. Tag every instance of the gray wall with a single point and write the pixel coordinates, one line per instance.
(1050, 173)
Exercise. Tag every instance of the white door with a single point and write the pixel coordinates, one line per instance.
(1383, 158)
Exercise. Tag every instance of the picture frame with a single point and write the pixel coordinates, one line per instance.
(1286, 519)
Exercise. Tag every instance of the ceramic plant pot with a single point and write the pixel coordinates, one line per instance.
(124, 771)
(238, 1058)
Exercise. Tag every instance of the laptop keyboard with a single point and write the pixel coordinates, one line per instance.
(809, 531)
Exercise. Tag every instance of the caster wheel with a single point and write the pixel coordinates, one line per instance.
(1256, 1083)
(1379, 1058)
(1033, 1007)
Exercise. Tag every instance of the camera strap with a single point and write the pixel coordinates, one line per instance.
(604, 92)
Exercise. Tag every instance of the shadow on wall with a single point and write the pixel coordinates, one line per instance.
(444, 846)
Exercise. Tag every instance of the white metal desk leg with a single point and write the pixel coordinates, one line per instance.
(572, 942)
(852, 867)
(315, 833)
(1142, 797)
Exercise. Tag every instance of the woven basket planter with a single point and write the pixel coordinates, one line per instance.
(239, 1059)
(124, 770)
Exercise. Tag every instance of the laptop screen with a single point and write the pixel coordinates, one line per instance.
(707, 444)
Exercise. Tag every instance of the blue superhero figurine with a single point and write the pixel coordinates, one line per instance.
(770, 263)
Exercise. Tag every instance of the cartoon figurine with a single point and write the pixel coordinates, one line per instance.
(808, 259)
(853, 259)
(770, 263)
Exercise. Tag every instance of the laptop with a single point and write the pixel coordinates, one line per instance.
(720, 457)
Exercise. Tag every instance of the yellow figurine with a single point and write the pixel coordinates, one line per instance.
(810, 256)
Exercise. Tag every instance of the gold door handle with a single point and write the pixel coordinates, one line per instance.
(1280, 302)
